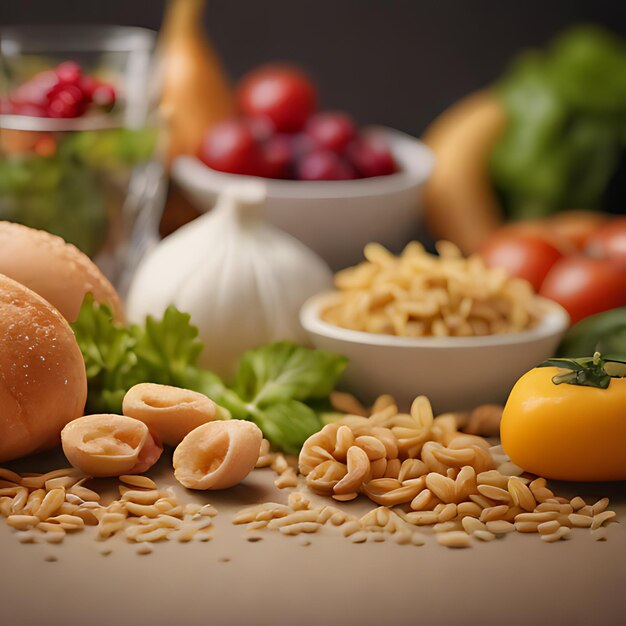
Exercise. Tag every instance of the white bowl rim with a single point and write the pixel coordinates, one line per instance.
(189, 171)
(555, 321)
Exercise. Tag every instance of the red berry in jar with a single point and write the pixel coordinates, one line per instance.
(103, 95)
(35, 91)
(231, 147)
(68, 72)
(324, 165)
(371, 157)
(331, 130)
(66, 100)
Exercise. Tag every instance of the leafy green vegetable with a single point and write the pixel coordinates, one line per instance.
(276, 386)
(604, 332)
(118, 357)
(566, 128)
(276, 380)
(287, 424)
(284, 370)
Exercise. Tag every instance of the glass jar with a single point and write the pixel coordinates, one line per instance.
(97, 179)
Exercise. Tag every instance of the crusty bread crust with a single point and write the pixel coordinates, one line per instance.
(57, 271)
(43, 384)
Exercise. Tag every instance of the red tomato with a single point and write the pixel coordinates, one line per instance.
(280, 93)
(331, 130)
(231, 147)
(585, 286)
(609, 241)
(576, 226)
(523, 255)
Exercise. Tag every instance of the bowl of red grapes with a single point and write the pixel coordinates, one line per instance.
(331, 184)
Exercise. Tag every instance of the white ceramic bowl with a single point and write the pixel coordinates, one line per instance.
(333, 218)
(456, 373)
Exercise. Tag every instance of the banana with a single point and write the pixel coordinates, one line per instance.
(461, 204)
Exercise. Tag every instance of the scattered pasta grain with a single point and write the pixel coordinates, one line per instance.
(602, 518)
(26, 536)
(562, 533)
(500, 527)
(547, 528)
(135, 480)
(454, 539)
(483, 535)
(600, 533)
(580, 521)
(22, 522)
(600, 506)
(350, 528)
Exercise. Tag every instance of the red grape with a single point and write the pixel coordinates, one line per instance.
(331, 130)
(324, 165)
(371, 157)
(231, 147)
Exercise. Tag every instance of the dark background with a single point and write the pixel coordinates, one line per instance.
(395, 62)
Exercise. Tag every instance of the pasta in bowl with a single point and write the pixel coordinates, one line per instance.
(443, 326)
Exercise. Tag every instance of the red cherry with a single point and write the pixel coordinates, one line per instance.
(68, 72)
(231, 147)
(331, 130)
(66, 101)
(35, 91)
(104, 96)
(88, 85)
(371, 157)
(277, 156)
(324, 165)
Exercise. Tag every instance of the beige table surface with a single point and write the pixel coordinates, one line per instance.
(514, 580)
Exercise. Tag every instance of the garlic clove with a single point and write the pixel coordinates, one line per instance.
(170, 413)
(109, 445)
(217, 455)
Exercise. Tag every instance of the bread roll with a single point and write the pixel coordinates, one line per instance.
(57, 271)
(43, 384)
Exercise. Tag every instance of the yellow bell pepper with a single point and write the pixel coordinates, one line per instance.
(562, 424)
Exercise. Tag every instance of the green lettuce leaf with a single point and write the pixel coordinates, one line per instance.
(108, 351)
(168, 349)
(286, 371)
(287, 425)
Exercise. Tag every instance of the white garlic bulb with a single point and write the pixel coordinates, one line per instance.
(241, 280)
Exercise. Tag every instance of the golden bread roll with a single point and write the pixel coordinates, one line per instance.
(57, 271)
(43, 384)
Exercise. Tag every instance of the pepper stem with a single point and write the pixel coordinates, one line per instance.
(587, 372)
